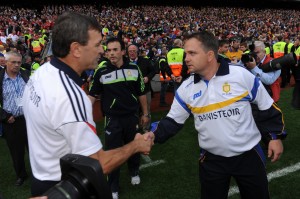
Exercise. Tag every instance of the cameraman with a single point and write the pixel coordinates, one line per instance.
(270, 80)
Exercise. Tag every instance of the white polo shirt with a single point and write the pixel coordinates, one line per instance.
(59, 119)
(221, 109)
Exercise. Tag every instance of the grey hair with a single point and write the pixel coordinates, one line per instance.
(260, 45)
(10, 54)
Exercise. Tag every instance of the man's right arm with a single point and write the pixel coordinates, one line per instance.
(111, 159)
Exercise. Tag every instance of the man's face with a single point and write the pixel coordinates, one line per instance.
(236, 44)
(223, 49)
(196, 58)
(243, 48)
(260, 54)
(2, 61)
(132, 52)
(13, 64)
(92, 51)
(115, 54)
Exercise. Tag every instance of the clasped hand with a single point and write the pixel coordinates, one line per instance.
(145, 142)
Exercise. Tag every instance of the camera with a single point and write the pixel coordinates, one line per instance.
(82, 178)
(248, 57)
(276, 64)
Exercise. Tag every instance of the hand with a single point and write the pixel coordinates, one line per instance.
(144, 120)
(11, 120)
(146, 79)
(143, 144)
(275, 149)
(149, 135)
(251, 64)
(178, 79)
(173, 77)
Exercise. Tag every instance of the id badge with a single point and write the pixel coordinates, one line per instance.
(19, 101)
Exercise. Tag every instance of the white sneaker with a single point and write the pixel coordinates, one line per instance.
(135, 180)
(115, 195)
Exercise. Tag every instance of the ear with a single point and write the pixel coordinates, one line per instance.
(123, 52)
(75, 49)
(210, 56)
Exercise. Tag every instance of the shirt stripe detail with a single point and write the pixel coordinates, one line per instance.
(68, 93)
(282, 119)
(92, 127)
(82, 101)
(255, 88)
(76, 98)
(182, 103)
(216, 106)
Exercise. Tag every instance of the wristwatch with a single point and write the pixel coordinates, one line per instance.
(147, 115)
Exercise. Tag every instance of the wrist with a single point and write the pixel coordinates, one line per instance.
(146, 115)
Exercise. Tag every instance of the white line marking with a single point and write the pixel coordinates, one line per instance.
(276, 174)
(146, 158)
(152, 163)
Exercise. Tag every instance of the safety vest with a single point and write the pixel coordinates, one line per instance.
(290, 45)
(161, 77)
(278, 49)
(34, 67)
(297, 52)
(42, 40)
(36, 46)
(268, 51)
(175, 60)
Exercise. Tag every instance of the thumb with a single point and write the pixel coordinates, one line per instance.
(269, 152)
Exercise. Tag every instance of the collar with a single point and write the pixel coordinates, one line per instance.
(67, 70)
(222, 70)
(134, 60)
(8, 77)
(262, 61)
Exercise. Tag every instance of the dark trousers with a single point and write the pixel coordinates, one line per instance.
(248, 169)
(38, 187)
(16, 139)
(118, 132)
(163, 90)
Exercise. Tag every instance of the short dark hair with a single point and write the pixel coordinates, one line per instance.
(208, 40)
(71, 27)
(115, 39)
(223, 42)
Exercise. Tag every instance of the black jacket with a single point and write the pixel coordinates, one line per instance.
(147, 70)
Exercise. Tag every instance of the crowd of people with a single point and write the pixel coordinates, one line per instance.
(137, 42)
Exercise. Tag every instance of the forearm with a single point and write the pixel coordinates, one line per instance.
(266, 78)
(111, 159)
(165, 129)
(143, 102)
(93, 99)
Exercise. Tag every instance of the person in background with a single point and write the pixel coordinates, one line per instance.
(12, 85)
(148, 72)
(120, 86)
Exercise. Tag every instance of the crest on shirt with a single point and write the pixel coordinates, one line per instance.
(129, 73)
(226, 87)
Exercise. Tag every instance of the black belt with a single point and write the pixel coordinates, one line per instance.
(19, 117)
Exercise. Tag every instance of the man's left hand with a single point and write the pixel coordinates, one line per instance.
(275, 150)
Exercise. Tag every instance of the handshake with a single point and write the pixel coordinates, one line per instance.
(144, 142)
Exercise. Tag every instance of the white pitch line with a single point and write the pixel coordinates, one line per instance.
(152, 163)
(276, 174)
(146, 158)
